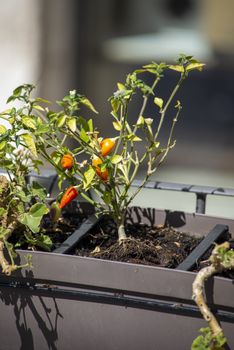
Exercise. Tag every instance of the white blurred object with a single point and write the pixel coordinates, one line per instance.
(164, 45)
(20, 45)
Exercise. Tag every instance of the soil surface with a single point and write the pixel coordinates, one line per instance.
(160, 246)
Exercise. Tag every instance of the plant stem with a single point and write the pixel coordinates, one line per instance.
(218, 265)
(163, 111)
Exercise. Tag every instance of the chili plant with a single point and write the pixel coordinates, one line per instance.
(110, 164)
(21, 206)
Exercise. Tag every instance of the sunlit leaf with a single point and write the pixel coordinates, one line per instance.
(3, 129)
(195, 65)
(71, 123)
(115, 104)
(39, 108)
(88, 104)
(88, 177)
(29, 142)
(61, 121)
(159, 102)
(177, 68)
(29, 122)
(84, 137)
(117, 126)
(140, 121)
(90, 125)
(121, 86)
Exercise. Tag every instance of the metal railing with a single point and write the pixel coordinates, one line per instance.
(201, 192)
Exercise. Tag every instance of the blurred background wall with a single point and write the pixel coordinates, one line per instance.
(89, 45)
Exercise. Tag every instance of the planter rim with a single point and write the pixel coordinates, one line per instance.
(97, 274)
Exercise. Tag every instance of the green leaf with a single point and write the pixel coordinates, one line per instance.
(71, 123)
(61, 120)
(32, 219)
(84, 137)
(3, 129)
(2, 145)
(23, 196)
(159, 102)
(42, 129)
(3, 232)
(116, 159)
(133, 138)
(2, 211)
(195, 65)
(44, 242)
(38, 190)
(29, 142)
(121, 86)
(39, 108)
(115, 104)
(88, 177)
(81, 122)
(140, 121)
(107, 197)
(177, 68)
(29, 122)
(90, 125)
(41, 100)
(117, 126)
(88, 104)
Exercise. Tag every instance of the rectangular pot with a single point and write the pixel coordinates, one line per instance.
(69, 302)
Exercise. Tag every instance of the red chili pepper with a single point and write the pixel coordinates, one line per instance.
(67, 161)
(102, 174)
(107, 146)
(70, 194)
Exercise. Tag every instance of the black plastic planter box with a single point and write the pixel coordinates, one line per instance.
(69, 302)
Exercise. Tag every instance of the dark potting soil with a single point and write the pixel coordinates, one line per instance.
(157, 246)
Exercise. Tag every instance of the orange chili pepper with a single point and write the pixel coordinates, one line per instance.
(102, 174)
(67, 161)
(107, 146)
(70, 194)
